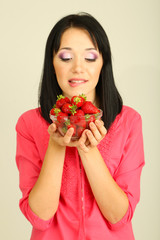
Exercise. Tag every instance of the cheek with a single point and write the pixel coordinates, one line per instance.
(96, 72)
(58, 71)
(61, 76)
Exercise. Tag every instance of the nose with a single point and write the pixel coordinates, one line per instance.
(78, 65)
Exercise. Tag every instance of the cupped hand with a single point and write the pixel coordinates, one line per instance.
(65, 140)
(91, 138)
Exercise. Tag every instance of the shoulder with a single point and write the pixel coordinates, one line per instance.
(129, 112)
(128, 115)
(29, 117)
(32, 113)
(126, 120)
(30, 120)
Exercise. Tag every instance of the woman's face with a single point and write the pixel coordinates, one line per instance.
(77, 64)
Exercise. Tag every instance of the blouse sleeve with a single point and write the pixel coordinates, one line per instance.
(29, 165)
(129, 170)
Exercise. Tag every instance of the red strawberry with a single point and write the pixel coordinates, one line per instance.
(80, 131)
(88, 107)
(82, 122)
(77, 116)
(61, 117)
(55, 111)
(69, 125)
(79, 119)
(69, 108)
(79, 112)
(78, 100)
(61, 100)
(63, 129)
(90, 118)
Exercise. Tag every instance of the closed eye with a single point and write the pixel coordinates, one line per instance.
(90, 59)
(65, 59)
(65, 56)
(91, 56)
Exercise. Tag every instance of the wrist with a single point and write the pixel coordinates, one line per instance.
(53, 144)
(89, 151)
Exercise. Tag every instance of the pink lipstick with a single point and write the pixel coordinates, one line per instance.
(74, 82)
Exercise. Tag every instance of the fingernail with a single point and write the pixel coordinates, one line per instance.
(88, 132)
(81, 144)
(52, 127)
(91, 124)
(97, 122)
(70, 130)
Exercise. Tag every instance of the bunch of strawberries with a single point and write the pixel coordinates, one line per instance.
(76, 113)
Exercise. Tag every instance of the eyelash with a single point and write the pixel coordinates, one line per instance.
(91, 59)
(87, 59)
(65, 59)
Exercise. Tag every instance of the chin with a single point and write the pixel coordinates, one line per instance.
(77, 92)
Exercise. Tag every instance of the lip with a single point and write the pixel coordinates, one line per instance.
(74, 82)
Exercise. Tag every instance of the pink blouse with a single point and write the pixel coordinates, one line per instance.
(78, 216)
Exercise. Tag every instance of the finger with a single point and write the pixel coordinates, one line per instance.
(83, 137)
(86, 137)
(101, 127)
(95, 131)
(101, 122)
(91, 138)
(52, 128)
(68, 135)
(82, 142)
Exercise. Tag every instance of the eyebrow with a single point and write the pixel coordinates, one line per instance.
(65, 48)
(68, 48)
(88, 49)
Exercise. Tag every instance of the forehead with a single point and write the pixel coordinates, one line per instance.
(76, 37)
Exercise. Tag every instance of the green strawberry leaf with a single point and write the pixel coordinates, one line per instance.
(84, 96)
(64, 129)
(73, 109)
(59, 97)
(67, 122)
(87, 116)
(96, 115)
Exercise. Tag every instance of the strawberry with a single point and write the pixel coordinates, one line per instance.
(78, 100)
(77, 116)
(55, 111)
(82, 122)
(90, 118)
(89, 108)
(79, 112)
(69, 108)
(61, 100)
(76, 113)
(69, 125)
(80, 131)
(63, 129)
(61, 117)
(79, 120)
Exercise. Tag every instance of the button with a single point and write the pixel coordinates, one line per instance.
(82, 199)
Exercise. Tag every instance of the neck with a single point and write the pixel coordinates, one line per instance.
(96, 102)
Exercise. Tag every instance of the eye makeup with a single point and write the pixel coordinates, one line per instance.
(91, 56)
(65, 56)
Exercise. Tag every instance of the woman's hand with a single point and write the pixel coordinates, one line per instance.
(65, 140)
(91, 138)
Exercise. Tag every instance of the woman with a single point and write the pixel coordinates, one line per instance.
(89, 188)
